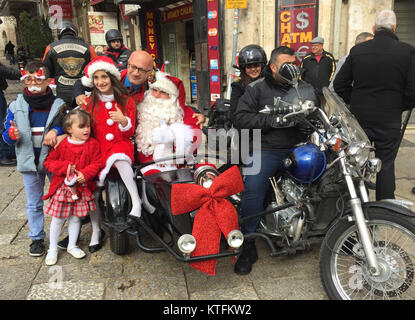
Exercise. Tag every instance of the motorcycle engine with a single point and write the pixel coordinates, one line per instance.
(283, 221)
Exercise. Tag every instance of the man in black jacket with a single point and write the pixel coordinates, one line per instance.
(276, 141)
(319, 66)
(66, 59)
(378, 81)
(116, 49)
(7, 153)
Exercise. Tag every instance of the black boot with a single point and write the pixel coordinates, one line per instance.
(247, 258)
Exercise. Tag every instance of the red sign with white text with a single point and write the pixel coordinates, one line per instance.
(297, 29)
(214, 49)
(151, 38)
(66, 7)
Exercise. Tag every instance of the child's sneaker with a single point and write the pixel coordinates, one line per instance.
(37, 248)
(51, 257)
(76, 252)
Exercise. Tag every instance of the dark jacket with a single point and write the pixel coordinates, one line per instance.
(120, 57)
(237, 92)
(318, 74)
(7, 73)
(9, 48)
(65, 60)
(382, 71)
(264, 92)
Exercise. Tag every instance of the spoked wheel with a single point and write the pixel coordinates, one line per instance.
(343, 267)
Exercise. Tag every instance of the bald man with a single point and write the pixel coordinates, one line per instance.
(135, 79)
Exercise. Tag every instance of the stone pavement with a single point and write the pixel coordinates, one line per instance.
(144, 276)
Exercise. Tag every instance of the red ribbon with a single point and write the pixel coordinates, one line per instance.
(215, 214)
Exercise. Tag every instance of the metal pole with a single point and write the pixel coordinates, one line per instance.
(235, 42)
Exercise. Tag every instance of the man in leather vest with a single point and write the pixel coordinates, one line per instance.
(66, 59)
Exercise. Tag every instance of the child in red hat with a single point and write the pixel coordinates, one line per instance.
(113, 123)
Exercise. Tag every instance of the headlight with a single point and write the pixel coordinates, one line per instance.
(235, 239)
(205, 175)
(186, 243)
(358, 153)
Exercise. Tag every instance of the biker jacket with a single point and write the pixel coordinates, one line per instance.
(65, 60)
(120, 57)
(260, 93)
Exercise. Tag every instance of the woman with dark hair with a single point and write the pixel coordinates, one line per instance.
(252, 60)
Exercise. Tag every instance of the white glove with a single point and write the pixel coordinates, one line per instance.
(162, 134)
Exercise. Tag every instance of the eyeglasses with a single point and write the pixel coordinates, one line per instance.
(135, 68)
(28, 80)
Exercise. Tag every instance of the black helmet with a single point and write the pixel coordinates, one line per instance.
(251, 54)
(66, 26)
(113, 34)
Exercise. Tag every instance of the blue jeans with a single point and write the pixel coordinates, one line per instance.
(5, 149)
(34, 183)
(256, 186)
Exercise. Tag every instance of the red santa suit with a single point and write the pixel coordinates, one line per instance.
(114, 139)
(165, 126)
(87, 158)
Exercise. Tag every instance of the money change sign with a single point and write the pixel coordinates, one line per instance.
(297, 26)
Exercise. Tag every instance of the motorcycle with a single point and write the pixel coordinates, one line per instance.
(367, 247)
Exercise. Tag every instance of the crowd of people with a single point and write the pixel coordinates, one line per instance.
(76, 137)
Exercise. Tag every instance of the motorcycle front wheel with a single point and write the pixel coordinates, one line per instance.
(343, 267)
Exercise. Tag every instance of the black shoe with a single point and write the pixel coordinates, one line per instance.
(37, 248)
(85, 220)
(63, 244)
(246, 259)
(8, 162)
(132, 222)
(98, 246)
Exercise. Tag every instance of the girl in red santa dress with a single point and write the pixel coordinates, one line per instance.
(74, 164)
(113, 123)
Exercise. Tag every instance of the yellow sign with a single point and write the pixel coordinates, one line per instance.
(236, 4)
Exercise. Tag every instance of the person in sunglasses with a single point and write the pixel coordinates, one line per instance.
(28, 120)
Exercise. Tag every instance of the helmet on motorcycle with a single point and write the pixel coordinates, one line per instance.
(306, 163)
(251, 54)
(65, 27)
(111, 35)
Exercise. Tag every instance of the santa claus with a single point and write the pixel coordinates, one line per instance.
(166, 126)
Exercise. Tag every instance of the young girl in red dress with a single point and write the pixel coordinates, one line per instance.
(113, 123)
(74, 164)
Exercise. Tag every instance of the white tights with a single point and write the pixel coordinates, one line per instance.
(96, 219)
(127, 176)
(74, 227)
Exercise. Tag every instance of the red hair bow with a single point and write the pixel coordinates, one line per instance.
(215, 214)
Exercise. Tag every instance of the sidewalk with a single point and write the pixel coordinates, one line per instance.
(143, 276)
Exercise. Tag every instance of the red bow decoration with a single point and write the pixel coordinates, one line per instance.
(24, 74)
(40, 74)
(216, 214)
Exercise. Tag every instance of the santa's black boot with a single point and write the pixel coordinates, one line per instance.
(247, 258)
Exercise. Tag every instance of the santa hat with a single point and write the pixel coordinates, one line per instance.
(103, 63)
(166, 83)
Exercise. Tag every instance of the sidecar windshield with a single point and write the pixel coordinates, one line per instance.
(350, 127)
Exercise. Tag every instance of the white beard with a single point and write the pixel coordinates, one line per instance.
(149, 113)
